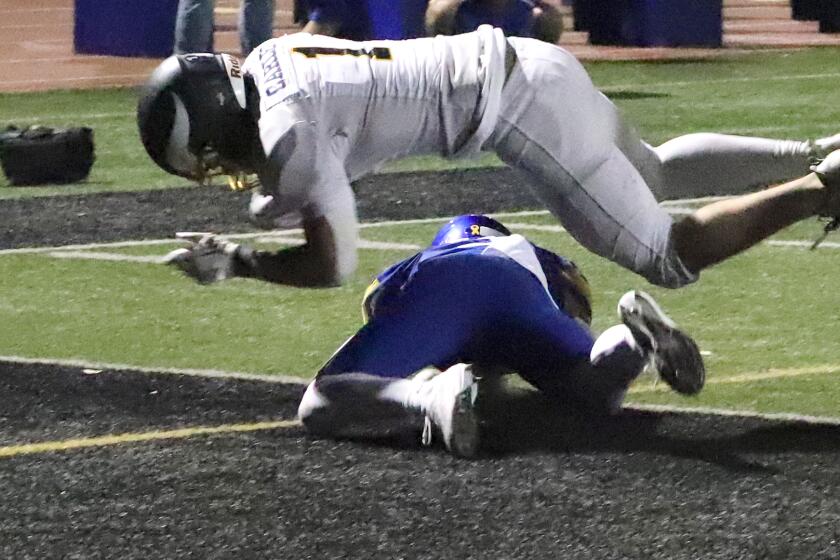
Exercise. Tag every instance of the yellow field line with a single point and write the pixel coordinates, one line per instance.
(749, 377)
(156, 435)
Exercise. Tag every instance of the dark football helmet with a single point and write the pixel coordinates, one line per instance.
(194, 117)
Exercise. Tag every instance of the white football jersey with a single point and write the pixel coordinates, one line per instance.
(378, 100)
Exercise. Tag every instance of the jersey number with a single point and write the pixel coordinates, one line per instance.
(377, 53)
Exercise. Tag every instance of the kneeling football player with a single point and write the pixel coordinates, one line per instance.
(482, 299)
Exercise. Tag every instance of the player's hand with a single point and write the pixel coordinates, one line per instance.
(206, 259)
(262, 210)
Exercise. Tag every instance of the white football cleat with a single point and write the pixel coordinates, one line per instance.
(448, 401)
(675, 355)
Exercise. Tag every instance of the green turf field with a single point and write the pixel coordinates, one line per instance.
(767, 319)
(768, 94)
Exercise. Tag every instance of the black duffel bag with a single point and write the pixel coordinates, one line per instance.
(39, 155)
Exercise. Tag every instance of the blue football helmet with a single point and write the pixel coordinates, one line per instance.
(469, 226)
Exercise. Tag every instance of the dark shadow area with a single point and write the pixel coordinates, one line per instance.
(525, 421)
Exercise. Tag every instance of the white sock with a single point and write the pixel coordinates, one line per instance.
(827, 145)
(357, 403)
(705, 163)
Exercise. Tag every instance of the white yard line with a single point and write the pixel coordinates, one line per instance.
(88, 246)
(263, 235)
(536, 227)
(160, 259)
(698, 200)
(804, 244)
(388, 246)
(102, 256)
(361, 244)
(292, 236)
(746, 79)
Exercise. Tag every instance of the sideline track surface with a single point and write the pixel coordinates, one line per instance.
(641, 485)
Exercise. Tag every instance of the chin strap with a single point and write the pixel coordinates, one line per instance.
(243, 182)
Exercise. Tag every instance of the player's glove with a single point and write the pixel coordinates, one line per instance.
(208, 259)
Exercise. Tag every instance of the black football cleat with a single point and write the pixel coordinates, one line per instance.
(675, 355)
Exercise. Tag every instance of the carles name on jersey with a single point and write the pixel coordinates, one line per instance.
(273, 74)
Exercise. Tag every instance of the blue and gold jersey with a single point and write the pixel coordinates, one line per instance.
(486, 300)
(566, 286)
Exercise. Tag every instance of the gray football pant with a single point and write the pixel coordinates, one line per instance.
(604, 184)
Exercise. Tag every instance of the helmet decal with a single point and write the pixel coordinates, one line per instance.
(234, 73)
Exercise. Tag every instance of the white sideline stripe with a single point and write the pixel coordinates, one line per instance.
(673, 206)
(362, 243)
(618, 88)
(87, 246)
(774, 416)
(805, 244)
(536, 227)
(209, 373)
(161, 259)
(698, 200)
(253, 235)
(101, 256)
(388, 246)
(676, 211)
(778, 131)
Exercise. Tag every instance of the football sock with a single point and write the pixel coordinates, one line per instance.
(708, 164)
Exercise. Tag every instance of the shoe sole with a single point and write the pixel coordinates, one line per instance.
(675, 354)
(465, 438)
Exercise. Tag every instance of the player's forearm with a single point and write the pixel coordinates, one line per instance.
(313, 264)
(296, 266)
